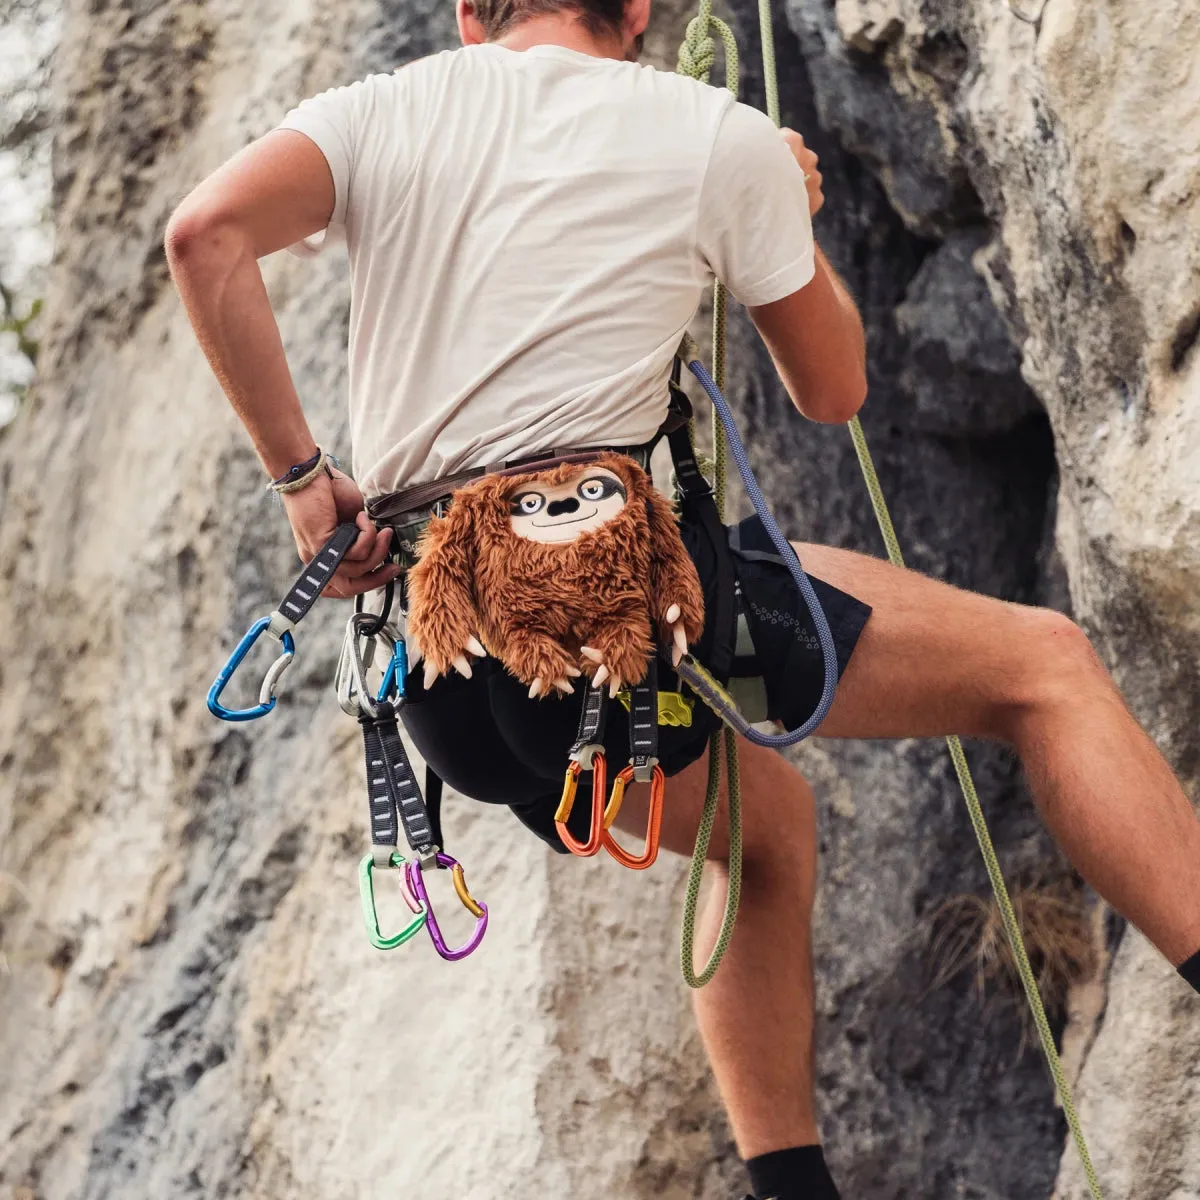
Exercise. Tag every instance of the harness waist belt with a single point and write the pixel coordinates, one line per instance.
(394, 505)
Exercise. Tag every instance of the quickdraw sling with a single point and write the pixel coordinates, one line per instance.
(394, 797)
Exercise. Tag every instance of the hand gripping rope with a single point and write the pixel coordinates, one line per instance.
(696, 58)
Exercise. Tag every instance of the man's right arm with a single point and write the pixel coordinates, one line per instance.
(276, 192)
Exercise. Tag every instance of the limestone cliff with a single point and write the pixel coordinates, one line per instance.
(187, 1005)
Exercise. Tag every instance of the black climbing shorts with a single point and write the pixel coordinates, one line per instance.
(489, 741)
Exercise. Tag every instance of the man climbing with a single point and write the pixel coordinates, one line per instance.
(531, 221)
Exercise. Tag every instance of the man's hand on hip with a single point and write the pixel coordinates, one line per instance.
(316, 510)
(808, 164)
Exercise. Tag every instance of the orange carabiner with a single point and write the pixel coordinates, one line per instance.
(599, 790)
(658, 787)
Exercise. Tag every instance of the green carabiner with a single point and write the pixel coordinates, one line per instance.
(366, 891)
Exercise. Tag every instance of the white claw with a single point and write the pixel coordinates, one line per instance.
(672, 614)
(430, 675)
(475, 646)
(614, 687)
(564, 685)
(535, 689)
(594, 655)
(681, 646)
(414, 653)
(599, 677)
(462, 666)
(573, 672)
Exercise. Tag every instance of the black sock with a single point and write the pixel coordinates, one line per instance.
(1190, 970)
(799, 1173)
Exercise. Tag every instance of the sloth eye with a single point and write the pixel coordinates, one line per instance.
(598, 488)
(527, 504)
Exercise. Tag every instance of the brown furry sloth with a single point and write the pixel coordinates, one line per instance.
(578, 566)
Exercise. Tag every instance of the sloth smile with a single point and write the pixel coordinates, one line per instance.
(556, 524)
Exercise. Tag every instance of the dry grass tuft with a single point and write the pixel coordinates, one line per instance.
(966, 935)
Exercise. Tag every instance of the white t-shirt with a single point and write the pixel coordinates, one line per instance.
(530, 233)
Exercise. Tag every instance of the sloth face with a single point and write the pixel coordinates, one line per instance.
(592, 496)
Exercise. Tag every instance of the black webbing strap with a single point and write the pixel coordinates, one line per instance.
(643, 724)
(697, 503)
(591, 720)
(313, 577)
(393, 793)
(433, 804)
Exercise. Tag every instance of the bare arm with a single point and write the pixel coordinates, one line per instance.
(275, 192)
(815, 336)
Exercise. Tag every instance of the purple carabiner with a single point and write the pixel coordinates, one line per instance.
(477, 909)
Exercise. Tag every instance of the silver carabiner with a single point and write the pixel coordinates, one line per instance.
(356, 659)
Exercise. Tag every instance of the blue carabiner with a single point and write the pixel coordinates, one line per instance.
(266, 694)
(392, 687)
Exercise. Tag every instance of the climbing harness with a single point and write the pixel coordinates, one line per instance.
(696, 57)
(394, 797)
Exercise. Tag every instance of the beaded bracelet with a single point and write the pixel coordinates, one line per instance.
(302, 474)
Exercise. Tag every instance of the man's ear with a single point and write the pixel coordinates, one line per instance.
(633, 25)
(470, 31)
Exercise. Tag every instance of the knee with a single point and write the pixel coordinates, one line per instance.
(1052, 663)
(779, 826)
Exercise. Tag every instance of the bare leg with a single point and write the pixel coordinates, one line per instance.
(756, 1016)
(932, 660)
(936, 660)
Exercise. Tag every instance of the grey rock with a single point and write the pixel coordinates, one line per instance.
(189, 1008)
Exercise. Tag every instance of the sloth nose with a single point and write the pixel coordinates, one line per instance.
(556, 507)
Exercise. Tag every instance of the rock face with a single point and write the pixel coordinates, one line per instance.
(26, 232)
(189, 1008)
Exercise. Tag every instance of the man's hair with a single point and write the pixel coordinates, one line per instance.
(598, 17)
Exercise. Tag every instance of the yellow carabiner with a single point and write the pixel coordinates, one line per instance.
(567, 803)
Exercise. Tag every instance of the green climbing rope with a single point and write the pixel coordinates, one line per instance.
(967, 783)
(957, 755)
(696, 58)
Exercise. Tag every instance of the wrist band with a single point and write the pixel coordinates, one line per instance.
(302, 474)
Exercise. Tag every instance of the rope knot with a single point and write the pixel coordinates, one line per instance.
(698, 51)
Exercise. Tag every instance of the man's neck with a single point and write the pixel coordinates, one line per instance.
(561, 29)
